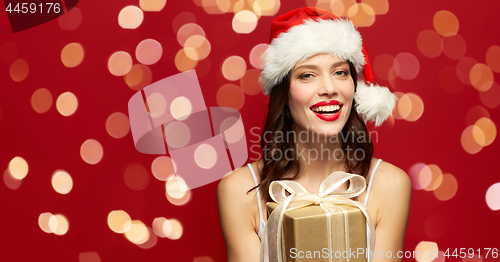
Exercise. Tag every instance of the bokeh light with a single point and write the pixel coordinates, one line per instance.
(41, 100)
(475, 113)
(491, 97)
(214, 7)
(163, 167)
(130, 17)
(18, 168)
(493, 197)
(445, 23)
(255, 57)
(230, 95)
(19, 70)
(454, 47)
(176, 187)
(62, 224)
(10, 181)
(152, 5)
(66, 104)
(43, 222)
(406, 66)
(117, 125)
(233, 130)
(468, 142)
(136, 177)
(152, 240)
(120, 63)
(234, 68)
(410, 107)
(188, 30)
(463, 69)
(447, 189)
(138, 77)
(177, 229)
(71, 20)
(8, 52)
(157, 105)
(493, 58)
(429, 43)
(481, 77)
(119, 221)
(267, 7)
(162, 227)
(250, 82)
(395, 112)
(449, 81)
(486, 129)
(183, 62)
(72, 55)
(427, 249)
(244, 22)
(361, 15)
(148, 51)
(91, 151)
(197, 47)
(138, 233)
(180, 201)
(177, 134)
(436, 177)
(415, 172)
(183, 18)
(381, 66)
(380, 7)
(62, 182)
(90, 256)
(205, 156)
(181, 108)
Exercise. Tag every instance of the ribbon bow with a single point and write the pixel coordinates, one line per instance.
(328, 198)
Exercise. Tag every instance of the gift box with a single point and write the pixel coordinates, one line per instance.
(328, 226)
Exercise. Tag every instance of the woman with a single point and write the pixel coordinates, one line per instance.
(314, 127)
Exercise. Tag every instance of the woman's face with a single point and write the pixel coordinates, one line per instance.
(321, 94)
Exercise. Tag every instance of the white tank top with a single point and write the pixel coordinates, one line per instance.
(262, 223)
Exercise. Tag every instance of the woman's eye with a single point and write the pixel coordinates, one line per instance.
(341, 73)
(305, 76)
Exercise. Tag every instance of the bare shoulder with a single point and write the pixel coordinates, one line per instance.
(237, 184)
(391, 178)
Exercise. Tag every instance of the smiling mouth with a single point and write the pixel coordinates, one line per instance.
(326, 110)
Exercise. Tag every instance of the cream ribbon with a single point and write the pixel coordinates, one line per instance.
(327, 199)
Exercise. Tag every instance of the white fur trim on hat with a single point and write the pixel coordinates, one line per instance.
(374, 103)
(338, 37)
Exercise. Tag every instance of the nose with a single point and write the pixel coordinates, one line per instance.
(328, 87)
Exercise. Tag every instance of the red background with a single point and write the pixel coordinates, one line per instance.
(50, 141)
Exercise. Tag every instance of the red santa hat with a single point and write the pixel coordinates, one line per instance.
(306, 32)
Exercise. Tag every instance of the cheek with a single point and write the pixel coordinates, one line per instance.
(298, 99)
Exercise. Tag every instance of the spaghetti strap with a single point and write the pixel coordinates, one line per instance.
(262, 223)
(371, 182)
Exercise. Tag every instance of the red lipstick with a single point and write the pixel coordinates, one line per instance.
(327, 117)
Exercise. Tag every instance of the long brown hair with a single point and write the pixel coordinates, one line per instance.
(279, 123)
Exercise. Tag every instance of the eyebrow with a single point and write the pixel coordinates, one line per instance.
(308, 66)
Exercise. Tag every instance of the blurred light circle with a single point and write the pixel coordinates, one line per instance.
(211, 6)
(117, 125)
(19, 70)
(426, 249)
(41, 100)
(72, 55)
(176, 187)
(120, 63)
(250, 82)
(381, 66)
(478, 135)
(136, 177)
(66, 104)
(429, 43)
(244, 22)
(234, 68)
(424, 177)
(475, 113)
(436, 177)
(205, 156)
(223, 5)
(491, 97)
(152, 5)
(177, 229)
(148, 51)
(53, 223)
(454, 47)
(463, 69)
(488, 130)
(181, 19)
(119, 221)
(188, 30)
(177, 134)
(414, 174)
(361, 15)
(180, 201)
(404, 106)
(62, 225)
(183, 62)
(197, 47)
(233, 130)
(267, 7)
(138, 77)
(43, 222)
(71, 20)
(62, 182)
(138, 233)
(406, 66)
(89, 257)
(157, 105)
(447, 189)
(336, 6)
(445, 23)
(10, 181)
(163, 167)
(8, 52)
(380, 7)
(91, 151)
(130, 17)
(256, 55)
(469, 144)
(493, 197)
(18, 168)
(395, 112)
(181, 108)
(159, 225)
(417, 107)
(230, 95)
(152, 240)
(493, 58)
(449, 81)
(481, 77)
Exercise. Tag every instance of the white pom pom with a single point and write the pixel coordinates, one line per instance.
(374, 103)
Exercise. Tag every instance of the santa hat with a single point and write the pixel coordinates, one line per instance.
(306, 32)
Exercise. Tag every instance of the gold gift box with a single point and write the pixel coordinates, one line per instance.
(305, 229)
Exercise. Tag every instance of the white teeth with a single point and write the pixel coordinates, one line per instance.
(331, 108)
